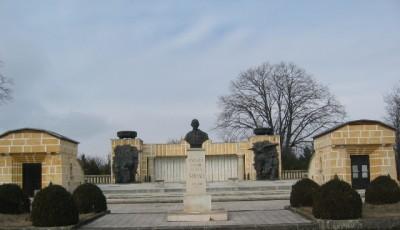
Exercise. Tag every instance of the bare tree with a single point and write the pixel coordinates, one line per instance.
(95, 165)
(5, 88)
(174, 140)
(392, 101)
(283, 97)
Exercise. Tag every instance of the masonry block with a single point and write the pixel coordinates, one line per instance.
(39, 148)
(16, 149)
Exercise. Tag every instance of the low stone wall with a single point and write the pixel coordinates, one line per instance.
(286, 175)
(364, 223)
(294, 174)
(98, 179)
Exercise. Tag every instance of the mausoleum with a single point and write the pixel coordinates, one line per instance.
(224, 161)
(32, 158)
(356, 151)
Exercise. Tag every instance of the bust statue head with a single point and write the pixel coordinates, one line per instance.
(195, 124)
(196, 137)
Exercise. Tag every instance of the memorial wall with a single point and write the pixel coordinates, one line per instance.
(224, 161)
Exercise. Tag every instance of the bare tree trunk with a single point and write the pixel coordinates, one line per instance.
(5, 89)
(392, 101)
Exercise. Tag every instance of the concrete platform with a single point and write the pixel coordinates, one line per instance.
(213, 215)
(242, 215)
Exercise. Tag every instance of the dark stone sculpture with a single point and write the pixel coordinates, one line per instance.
(125, 163)
(127, 134)
(196, 137)
(263, 131)
(265, 160)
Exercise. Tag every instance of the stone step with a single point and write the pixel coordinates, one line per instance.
(216, 196)
(174, 192)
(227, 193)
(220, 191)
(180, 199)
(112, 189)
(182, 190)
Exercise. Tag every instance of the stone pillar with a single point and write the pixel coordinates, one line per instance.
(112, 179)
(150, 166)
(196, 202)
(196, 198)
(240, 167)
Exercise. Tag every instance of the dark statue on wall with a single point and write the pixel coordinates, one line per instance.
(125, 163)
(265, 160)
(196, 137)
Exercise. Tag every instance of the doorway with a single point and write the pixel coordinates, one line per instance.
(360, 171)
(31, 177)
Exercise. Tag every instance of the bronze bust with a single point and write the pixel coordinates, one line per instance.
(196, 137)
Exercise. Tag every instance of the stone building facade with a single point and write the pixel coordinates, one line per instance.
(356, 151)
(32, 158)
(224, 161)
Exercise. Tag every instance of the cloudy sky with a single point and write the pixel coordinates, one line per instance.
(87, 69)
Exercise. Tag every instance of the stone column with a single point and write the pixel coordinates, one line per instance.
(150, 166)
(196, 202)
(240, 167)
(196, 198)
(112, 179)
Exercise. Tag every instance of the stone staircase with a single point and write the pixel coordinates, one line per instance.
(220, 191)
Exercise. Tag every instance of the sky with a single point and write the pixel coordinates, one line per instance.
(87, 69)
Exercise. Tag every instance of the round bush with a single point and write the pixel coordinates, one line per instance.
(382, 190)
(89, 198)
(337, 200)
(13, 200)
(302, 193)
(54, 206)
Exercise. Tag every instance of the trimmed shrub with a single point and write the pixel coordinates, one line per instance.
(382, 190)
(54, 206)
(337, 200)
(89, 198)
(13, 200)
(302, 193)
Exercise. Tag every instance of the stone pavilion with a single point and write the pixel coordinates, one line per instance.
(32, 158)
(356, 151)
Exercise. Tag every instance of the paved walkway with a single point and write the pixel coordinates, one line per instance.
(242, 215)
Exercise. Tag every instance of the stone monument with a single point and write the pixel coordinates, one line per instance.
(125, 163)
(126, 159)
(196, 202)
(265, 160)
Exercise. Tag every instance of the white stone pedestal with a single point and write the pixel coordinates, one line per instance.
(197, 203)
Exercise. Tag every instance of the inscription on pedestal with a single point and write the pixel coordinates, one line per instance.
(196, 199)
(196, 175)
